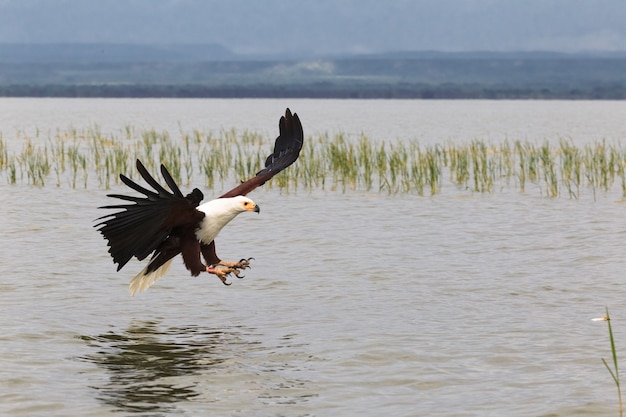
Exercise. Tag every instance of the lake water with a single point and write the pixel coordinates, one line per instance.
(358, 303)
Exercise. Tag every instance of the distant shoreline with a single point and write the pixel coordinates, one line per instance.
(186, 71)
(316, 90)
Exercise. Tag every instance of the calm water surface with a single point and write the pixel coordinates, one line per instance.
(357, 303)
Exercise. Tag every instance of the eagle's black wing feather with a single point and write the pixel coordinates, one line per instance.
(139, 228)
(170, 182)
(287, 146)
(132, 184)
(286, 151)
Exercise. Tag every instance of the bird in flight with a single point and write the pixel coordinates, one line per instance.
(164, 223)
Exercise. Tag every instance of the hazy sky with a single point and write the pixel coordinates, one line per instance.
(325, 26)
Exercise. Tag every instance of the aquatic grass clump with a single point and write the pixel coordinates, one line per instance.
(342, 162)
(328, 162)
(4, 153)
(482, 166)
(548, 168)
(34, 162)
(459, 164)
(571, 163)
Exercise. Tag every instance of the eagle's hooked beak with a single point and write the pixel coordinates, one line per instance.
(251, 206)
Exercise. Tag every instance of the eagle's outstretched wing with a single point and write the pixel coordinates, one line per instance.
(144, 224)
(286, 150)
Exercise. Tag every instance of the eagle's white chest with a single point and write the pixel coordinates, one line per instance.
(218, 213)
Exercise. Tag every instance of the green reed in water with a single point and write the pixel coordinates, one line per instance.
(615, 370)
(338, 162)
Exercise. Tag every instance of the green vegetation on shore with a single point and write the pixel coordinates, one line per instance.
(89, 158)
(331, 89)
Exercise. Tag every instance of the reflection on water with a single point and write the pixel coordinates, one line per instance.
(149, 366)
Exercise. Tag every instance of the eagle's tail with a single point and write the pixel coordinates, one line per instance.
(144, 279)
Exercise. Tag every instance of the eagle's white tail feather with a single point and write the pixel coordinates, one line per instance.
(143, 281)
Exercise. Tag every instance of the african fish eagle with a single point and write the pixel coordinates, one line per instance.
(165, 224)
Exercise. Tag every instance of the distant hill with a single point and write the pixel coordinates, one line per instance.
(214, 71)
(129, 52)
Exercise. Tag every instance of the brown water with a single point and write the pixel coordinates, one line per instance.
(357, 304)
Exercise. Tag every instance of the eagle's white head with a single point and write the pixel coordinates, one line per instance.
(219, 212)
